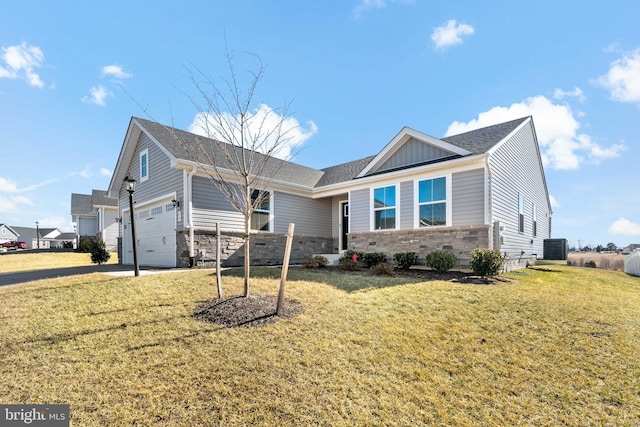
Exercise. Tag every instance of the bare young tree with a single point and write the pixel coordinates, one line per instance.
(245, 146)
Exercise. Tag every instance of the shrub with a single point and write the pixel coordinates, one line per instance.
(67, 245)
(86, 243)
(348, 254)
(347, 264)
(590, 264)
(373, 258)
(99, 254)
(317, 261)
(441, 261)
(405, 260)
(382, 268)
(487, 262)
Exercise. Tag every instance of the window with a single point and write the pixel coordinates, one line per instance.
(144, 165)
(535, 220)
(261, 216)
(432, 202)
(384, 208)
(521, 213)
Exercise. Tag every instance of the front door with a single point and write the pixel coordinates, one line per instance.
(344, 225)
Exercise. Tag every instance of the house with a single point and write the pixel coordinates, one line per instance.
(8, 234)
(480, 189)
(630, 248)
(96, 215)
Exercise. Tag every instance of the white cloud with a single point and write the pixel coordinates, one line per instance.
(115, 71)
(56, 222)
(365, 5)
(575, 93)
(623, 79)
(264, 120)
(12, 203)
(7, 186)
(105, 172)
(554, 202)
(450, 34)
(561, 145)
(625, 227)
(97, 96)
(20, 63)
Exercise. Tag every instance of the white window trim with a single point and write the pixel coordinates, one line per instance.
(448, 201)
(372, 217)
(524, 201)
(144, 153)
(271, 215)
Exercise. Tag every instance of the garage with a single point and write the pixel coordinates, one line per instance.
(156, 235)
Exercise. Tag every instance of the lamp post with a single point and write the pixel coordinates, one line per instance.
(130, 185)
(38, 233)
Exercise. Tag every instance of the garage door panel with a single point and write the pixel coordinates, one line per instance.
(156, 236)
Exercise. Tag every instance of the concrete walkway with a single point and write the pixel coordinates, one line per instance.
(111, 269)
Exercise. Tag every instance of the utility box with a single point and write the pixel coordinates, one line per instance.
(555, 249)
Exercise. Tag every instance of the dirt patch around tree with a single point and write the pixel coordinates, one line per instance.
(238, 311)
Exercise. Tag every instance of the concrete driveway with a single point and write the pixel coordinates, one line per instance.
(112, 269)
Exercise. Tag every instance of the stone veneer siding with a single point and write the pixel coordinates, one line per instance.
(459, 240)
(266, 249)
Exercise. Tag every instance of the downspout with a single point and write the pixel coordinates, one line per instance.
(487, 189)
(189, 204)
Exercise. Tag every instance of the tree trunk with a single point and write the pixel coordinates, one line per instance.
(247, 262)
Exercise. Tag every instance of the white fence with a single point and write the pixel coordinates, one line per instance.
(632, 263)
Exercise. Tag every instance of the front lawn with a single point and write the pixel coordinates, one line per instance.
(554, 346)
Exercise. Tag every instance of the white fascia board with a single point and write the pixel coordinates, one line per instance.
(171, 157)
(506, 138)
(124, 160)
(449, 166)
(403, 136)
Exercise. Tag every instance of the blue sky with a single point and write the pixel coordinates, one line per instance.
(73, 73)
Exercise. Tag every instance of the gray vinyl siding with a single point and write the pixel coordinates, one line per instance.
(412, 152)
(210, 206)
(406, 204)
(311, 217)
(360, 211)
(163, 179)
(516, 168)
(467, 198)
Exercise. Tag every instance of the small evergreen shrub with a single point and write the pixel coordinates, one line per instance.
(86, 243)
(487, 262)
(99, 253)
(347, 264)
(348, 254)
(404, 260)
(382, 269)
(371, 259)
(590, 264)
(441, 261)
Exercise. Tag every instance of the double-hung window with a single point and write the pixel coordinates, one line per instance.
(144, 165)
(535, 220)
(384, 208)
(261, 216)
(432, 202)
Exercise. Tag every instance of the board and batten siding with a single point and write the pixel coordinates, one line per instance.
(412, 152)
(210, 206)
(360, 211)
(311, 217)
(406, 204)
(516, 169)
(467, 198)
(163, 179)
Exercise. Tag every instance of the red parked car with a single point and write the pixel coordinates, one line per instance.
(14, 245)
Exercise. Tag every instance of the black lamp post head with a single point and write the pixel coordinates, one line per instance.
(130, 184)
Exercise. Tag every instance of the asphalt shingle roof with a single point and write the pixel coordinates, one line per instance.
(81, 204)
(99, 198)
(482, 140)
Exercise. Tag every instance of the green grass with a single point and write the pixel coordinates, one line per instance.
(554, 347)
(25, 261)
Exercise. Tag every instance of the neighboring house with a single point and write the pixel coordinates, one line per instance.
(8, 234)
(41, 238)
(480, 189)
(632, 247)
(96, 215)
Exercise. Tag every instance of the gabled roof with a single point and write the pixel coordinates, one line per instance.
(482, 140)
(476, 142)
(8, 227)
(100, 198)
(81, 204)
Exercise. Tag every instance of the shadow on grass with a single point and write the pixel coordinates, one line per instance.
(348, 281)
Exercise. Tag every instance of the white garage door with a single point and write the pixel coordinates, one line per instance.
(156, 236)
